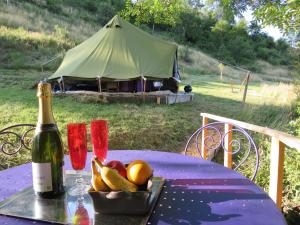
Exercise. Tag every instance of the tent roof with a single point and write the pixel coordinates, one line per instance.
(119, 51)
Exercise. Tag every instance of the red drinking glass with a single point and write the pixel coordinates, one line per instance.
(77, 143)
(99, 133)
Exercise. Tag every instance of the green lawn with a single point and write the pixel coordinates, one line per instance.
(138, 126)
(131, 125)
(143, 126)
(162, 127)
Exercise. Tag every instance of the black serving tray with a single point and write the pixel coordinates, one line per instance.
(69, 209)
(124, 202)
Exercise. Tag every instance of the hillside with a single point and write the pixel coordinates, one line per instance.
(31, 35)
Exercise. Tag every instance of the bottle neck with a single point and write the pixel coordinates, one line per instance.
(45, 111)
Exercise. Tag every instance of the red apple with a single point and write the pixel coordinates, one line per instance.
(119, 166)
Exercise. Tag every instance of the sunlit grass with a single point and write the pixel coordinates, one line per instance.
(33, 38)
(38, 18)
(259, 93)
(142, 126)
(202, 63)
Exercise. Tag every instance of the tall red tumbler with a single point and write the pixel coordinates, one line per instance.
(77, 143)
(99, 133)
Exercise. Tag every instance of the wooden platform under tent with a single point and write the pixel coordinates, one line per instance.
(159, 97)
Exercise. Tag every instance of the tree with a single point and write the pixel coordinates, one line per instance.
(294, 39)
(153, 11)
(196, 4)
(221, 26)
(241, 24)
(227, 9)
(254, 28)
(284, 14)
(118, 4)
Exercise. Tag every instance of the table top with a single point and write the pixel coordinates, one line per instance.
(196, 191)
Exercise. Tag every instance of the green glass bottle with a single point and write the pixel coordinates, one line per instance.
(47, 149)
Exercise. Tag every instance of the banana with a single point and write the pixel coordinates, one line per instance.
(114, 180)
(97, 182)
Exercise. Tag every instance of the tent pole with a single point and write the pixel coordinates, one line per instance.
(145, 88)
(143, 80)
(99, 84)
(63, 84)
(60, 87)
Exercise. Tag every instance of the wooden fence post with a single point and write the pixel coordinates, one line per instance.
(228, 146)
(221, 68)
(204, 135)
(276, 171)
(158, 100)
(246, 87)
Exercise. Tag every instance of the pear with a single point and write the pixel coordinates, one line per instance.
(97, 181)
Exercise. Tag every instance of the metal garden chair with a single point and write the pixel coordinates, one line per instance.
(13, 140)
(237, 145)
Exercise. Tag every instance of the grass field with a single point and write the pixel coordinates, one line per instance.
(160, 127)
(167, 125)
(139, 126)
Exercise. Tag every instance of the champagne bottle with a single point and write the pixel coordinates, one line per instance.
(47, 149)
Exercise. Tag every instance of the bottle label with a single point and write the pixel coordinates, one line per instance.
(41, 176)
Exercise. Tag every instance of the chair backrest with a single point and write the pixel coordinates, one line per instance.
(14, 139)
(213, 137)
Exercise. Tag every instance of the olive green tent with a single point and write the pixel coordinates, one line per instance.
(120, 51)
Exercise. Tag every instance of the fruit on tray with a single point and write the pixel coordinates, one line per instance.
(114, 180)
(97, 181)
(119, 166)
(139, 172)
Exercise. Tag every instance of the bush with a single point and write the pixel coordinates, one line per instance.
(186, 55)
(91, 5)
(224, 55)
(54, 6)
(105, 12)
(241, 50)
(263, 53)
(61, 32)
(254, 67)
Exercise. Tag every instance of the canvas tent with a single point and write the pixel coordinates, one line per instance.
(119, 53)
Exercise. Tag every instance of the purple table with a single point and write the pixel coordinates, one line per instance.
(196, 191)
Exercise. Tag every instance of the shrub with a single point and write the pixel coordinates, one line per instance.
(61, 32)
(54, 6)
(186, 55)
(105, 12)
(263, 53)
(90, 5)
